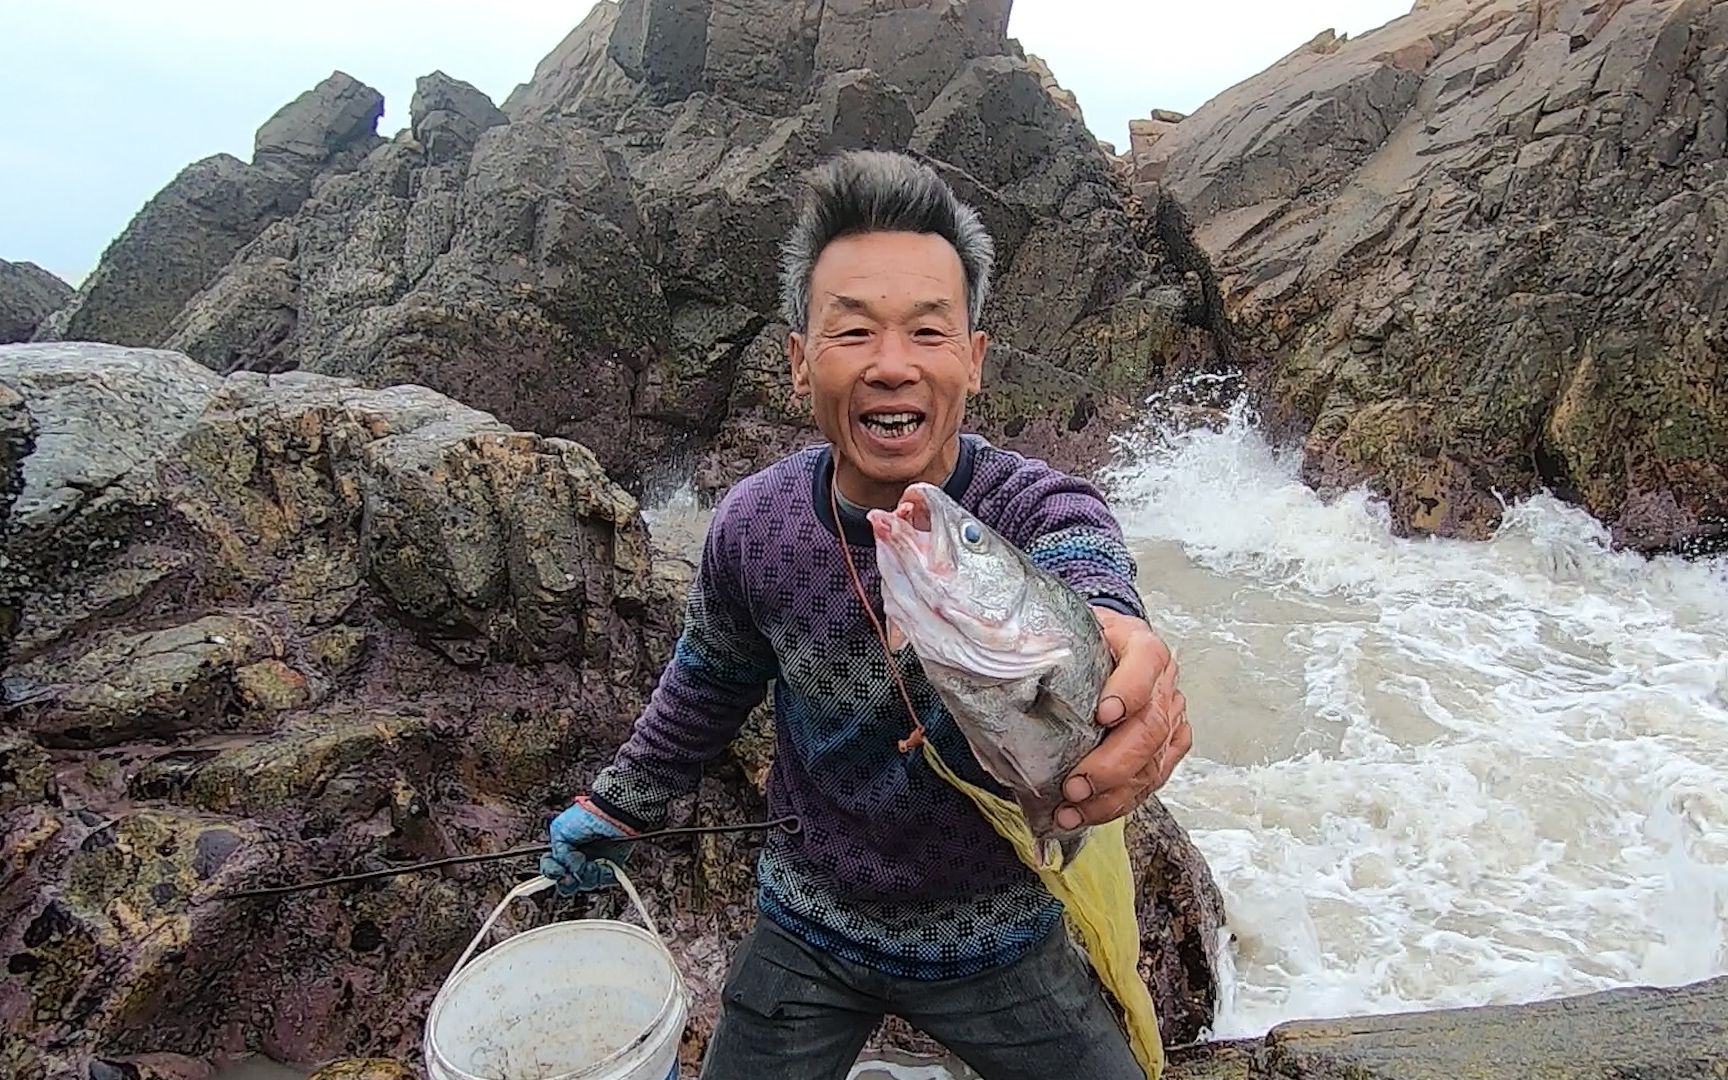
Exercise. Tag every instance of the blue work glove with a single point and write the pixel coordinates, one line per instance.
(579, 835)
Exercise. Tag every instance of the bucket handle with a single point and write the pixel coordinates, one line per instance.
(542, 883)
(635, 897)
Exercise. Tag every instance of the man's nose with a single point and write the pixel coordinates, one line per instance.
(895, 363)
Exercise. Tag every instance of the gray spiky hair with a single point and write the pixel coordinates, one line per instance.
(864, 191)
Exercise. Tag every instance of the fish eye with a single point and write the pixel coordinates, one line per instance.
(971, 534)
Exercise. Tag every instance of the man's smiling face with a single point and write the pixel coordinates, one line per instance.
(889, 360)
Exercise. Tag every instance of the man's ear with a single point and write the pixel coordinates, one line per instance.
(800, 365)
(980, 346)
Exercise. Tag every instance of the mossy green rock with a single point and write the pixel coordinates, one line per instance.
(153, 683)
(365, 1069)
(391, 629)
(26, 774)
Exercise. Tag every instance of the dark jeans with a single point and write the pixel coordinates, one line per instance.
(793, 1012)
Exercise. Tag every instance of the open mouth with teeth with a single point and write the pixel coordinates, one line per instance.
(892, 425)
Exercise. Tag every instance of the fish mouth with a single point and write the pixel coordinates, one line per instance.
(913, 530)
(918, 536)
(916, 553)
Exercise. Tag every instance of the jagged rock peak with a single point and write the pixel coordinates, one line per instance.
(577, 70)
(1061, 95)
(598, 259)
(187, 232)
(338, 113)
(447, 115)
(770, 54)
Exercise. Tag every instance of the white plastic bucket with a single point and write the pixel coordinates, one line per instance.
(590, 999)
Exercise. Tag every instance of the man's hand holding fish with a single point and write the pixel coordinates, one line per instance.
(1148, 721)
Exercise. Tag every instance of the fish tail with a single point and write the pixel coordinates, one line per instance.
(1052, 855)
(1071, 845)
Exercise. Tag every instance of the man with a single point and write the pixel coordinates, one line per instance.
(896, 896)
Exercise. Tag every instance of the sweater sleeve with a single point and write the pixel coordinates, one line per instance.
(719, 671)
(1064, 525)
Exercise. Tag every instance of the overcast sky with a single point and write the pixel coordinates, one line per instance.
(105, 100)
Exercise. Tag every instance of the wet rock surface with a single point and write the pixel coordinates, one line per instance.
(1181, 915)
(364, 1069)
(282, 627)
(1660, 1033)
(287, 627)
(1481, 249)
(597, 259)
(17, 440)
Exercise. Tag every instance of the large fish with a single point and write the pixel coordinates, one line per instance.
(1013, 651)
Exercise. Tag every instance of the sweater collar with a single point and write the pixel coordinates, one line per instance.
(854, 518)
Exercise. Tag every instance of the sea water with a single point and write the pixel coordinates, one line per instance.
(1432, 773)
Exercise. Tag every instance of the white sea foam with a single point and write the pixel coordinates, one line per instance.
(1433, 773)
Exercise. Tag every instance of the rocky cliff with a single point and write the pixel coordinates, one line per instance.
(597, 259)
(186, 234)
(1484, 249)
(271, 628)
(28, 295)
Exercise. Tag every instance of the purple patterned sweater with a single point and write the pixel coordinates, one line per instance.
(893, 867)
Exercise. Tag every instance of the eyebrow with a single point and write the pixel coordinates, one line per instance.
(923, 307)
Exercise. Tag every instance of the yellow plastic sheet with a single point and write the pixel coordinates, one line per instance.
(1097, 891)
